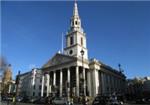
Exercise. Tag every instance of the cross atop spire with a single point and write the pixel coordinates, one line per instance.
(75, 10)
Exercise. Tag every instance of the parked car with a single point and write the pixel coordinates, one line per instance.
(40, 101)
(9, 98)
(140, 101)
(32, 100)
(113, 102)
(120, 100)
(100, 100)
(19, 99)
(25, 99)
(4, 98)
(60, 101)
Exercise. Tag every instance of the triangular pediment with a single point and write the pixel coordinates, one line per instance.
(58, 59)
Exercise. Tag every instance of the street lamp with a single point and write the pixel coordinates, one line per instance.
(17, 83)
(120, 69)
(82, 53)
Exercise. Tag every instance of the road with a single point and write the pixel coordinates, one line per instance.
(4, 103)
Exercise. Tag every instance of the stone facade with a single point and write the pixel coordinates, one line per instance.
(138, 88)
(30, 84)
(78, 74)
(72, 73)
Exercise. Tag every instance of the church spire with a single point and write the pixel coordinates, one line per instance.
(75, 10)
(75, 20)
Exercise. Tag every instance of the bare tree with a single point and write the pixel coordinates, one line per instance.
(3, 65)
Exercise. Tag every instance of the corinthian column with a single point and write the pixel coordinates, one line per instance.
(61, 78)
(89, 82)
(54, 82)
(42, 86)
(54, 78)
(84, 84)
(47, 85)
(68, 82)
(77, 81)
(95, 82)
(50, 84)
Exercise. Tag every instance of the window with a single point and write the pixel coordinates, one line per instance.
(44, 94)
(71, 40)
(40, 87)
(45, 88)
(39, 93)
(34, 87)
(76, 22)
(70, 52)
(81, 41)
(107, 79)
(107, 88)
(33, 93)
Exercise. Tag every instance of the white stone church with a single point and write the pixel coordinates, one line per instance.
(72, 73)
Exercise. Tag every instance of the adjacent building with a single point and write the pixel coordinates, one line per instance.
(138, 88)
(30, 84)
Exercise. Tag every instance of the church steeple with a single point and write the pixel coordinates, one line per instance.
(75, 20)
(76, 38)
(75, 10)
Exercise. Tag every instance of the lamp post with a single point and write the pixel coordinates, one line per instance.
(120, 69)
(17, 83)
(82, 53)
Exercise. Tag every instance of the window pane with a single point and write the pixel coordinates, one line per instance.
(71, 40)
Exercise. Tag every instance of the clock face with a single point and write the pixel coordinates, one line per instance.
(70, 52)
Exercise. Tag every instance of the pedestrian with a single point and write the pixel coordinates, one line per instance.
(83, 100)
(7, 100)
(14, 100)
(71, 101)
(49, 100)
(79, 99)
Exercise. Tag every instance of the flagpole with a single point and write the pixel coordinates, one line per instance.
(62, 44)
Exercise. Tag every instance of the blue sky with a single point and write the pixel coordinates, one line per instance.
(117, 32)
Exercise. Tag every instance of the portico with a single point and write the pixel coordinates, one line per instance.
(65, 77)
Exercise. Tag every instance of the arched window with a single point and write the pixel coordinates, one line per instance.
(76, 22)
(81, 41)
(71, 40)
